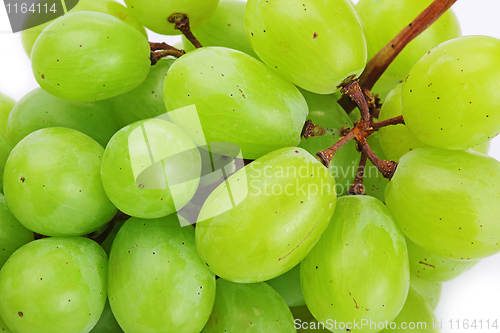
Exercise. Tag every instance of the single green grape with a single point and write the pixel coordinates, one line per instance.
(359, 270)
(305, 322)
(248, 308)
(373, 180)
(433, 267)
(52, 183)
(396, 140)
(90, 56)
(238, 100)
(384, 19)
(145, 101)
(448, 99)
(225, 28)
(107, 323)
(13, 234)
(314, 44)
(6, 105)
(4, 327)
(416, 316)
(429, 290)
(157, 282)
(39, 109)
(139, 186)
(325, 111)
(384, 86)
(154, 14)
(456, 213)
(288, 286)
(266, 217)
(5, 149)
(55, 284)
(111, 7)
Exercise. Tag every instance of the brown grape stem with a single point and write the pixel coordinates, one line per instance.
(353, 90)
(157, 55)
(325, 156)
(386, 168)
(391, 121)
(357, 188)
(312, 130)
(182, 23)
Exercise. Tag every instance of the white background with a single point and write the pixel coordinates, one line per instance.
(474, 295)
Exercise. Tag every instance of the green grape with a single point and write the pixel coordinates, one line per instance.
(5, 149)
(225, 28)
(373, 180)
(483, 148)
(247, 308)
(90, 56)
(305, 322)
(154, 14)
(12, 233)
(384, 19)
(238, 99)
(52, 183)
(314, 44)
(6, 105)
(359, 270)
(429, 290)
(416, 316)
(55, 284)
(3, 327)
(384, 86)
(157, 282)
(447, 98)
(107, 323)
(456, 215)
(39, 109)
(433, 267)
(145, 101)
(288, 286)
(279, 206)
(29, 36)
(147, 194)
(396, 140)
(326, 112)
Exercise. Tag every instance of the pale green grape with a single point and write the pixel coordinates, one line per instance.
(13, 234)
(145, 101)
(359, 268)
(52, 183)
(288, 286)
(396, 140)
(107, 323)
(111, 7)
(429, 290)
(314, 44)
(416, 316)
(384, 19)
(248, 308)
(449, 99)
(326, 112)
(433, 267)
(373, 180)
(39, 109)
(148, 194)
(54, 284)
(90, 56)
(157, 282)
(305, 322)
(456, 215)
(6, 105)
(3, 327)
(5, 149)
(154, 14)
(238, 99)
(277, 208)
(384, 86)
(225, 28)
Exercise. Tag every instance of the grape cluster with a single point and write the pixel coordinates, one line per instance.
(152, 189)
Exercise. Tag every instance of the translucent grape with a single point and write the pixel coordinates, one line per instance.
(154, 14)
(5, 149)
(157, 282)
(288, 286)
(225, 28)
(6, 105)
(4, 327)
(305, 322)
(283, 202)
(107, 323)
(456, 213)
(39, 109)
(314, 44)
(149, 195)
(52, 183)
(90, 56)
(111, 7)
(359, 268)
(447, 98)
(54, 285)
(247, 308)
(429, 290)
(238, 99)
